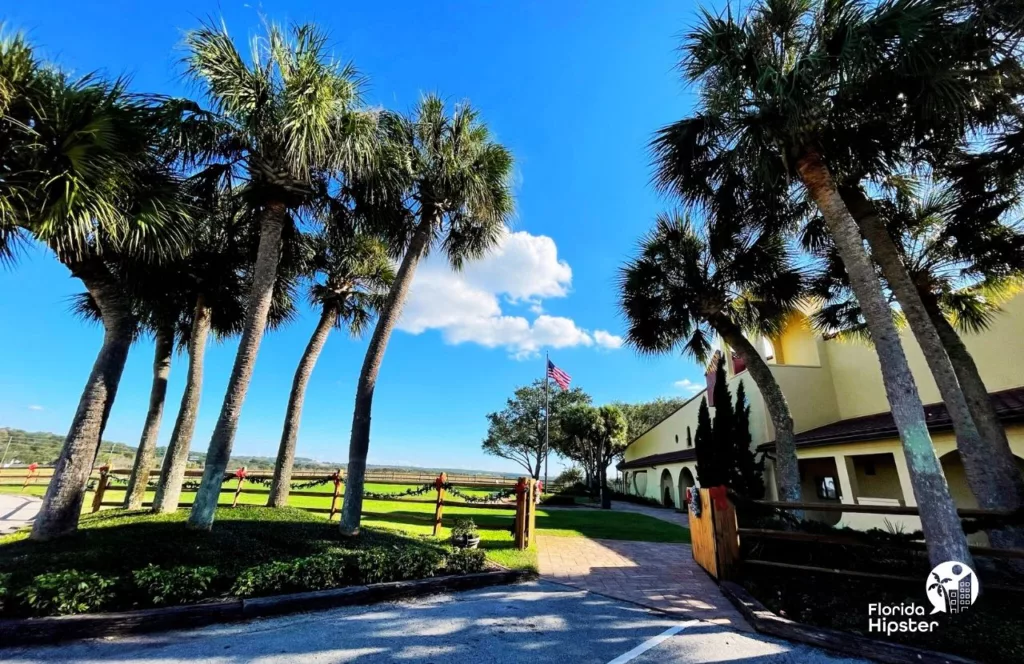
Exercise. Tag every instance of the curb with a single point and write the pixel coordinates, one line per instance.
(766, 622)
(30, 631)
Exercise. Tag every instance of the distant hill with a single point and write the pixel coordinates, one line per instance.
(44, 448)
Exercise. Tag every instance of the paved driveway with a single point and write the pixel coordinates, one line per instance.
(661, 576)
(17, 511)
(536, 623)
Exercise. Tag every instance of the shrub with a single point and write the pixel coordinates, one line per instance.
(67, 592)
(322, 571)
(268, 579)
(558, 499)
(465, 561)
(639, 500)
(178, 585)
(5, 588)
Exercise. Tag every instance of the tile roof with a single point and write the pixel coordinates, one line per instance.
(688, 454)
(1009, 406)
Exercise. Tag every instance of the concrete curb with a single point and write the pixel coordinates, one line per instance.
(766, 622)
(85, 626)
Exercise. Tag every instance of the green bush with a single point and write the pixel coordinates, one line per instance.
(268, 579)
(324, 570)
(5, 588)
(67, 592)
(178, 585)
(465, 561)
(558, 499)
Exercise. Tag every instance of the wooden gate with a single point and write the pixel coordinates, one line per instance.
(713, 535)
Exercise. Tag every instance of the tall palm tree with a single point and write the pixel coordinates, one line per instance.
(458, 186)
(86, 175)
(775, 89)
(292, 120)
(351, 273)
(215, 279)
(959, 281)
(681, 291)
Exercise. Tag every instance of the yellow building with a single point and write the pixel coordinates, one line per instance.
(847, 444)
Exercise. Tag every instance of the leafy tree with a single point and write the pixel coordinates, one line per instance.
(795, 89)
(288, 121)
(642, 416)
(88, 173)
(685, 288)
(517, 432)
(351, 273)
(456, 186)
(594, 436)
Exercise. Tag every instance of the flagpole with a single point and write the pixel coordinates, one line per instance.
(547, 417)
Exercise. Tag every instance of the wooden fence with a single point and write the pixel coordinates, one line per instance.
(716, 537)
(242, 482)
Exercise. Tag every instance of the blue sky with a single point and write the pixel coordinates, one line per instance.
(574, 89)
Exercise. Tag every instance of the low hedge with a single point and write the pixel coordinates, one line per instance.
(71, 591)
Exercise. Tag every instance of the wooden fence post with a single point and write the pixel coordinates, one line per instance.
(531, 505)
(519, 531)
(337, 492)
(31, 475)
(441, 480)
(238, 491)
(101, 488)
(727, 539)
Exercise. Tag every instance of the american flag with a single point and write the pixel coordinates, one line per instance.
(560, 377)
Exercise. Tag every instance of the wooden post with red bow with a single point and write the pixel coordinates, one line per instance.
(337, 492)
(522, 500)
(32, 468)
(101, 488)
(440, 483)
(240, 474)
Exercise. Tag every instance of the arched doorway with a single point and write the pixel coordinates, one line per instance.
(666, 489)
(685, 482)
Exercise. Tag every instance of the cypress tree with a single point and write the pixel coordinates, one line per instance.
(748, 479)
(722, 429)
(703, 442)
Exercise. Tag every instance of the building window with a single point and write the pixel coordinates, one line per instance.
(869, 467)
(827, 488)
(677, 439)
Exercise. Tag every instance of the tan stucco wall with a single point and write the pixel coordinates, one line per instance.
(998, 352)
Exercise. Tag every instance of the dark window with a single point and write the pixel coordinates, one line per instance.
(827, 488)
(677, 439)
(869, 467)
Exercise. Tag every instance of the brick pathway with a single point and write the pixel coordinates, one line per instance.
(656, 575)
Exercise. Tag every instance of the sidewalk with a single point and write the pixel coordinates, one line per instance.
(656, 575)
(663, 513)
(17, 511)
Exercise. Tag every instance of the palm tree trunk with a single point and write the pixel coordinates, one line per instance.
(139, 479)
(993, 479)
(267, 258)
(359, 445)
(172, 474)
(941, 525)
(787, 468)
(293, 416)
(62, 504)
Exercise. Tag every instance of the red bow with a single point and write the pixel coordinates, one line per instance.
(32, 467)
(720, 496)
(240, 473)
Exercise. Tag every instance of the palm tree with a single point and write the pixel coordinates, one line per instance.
(779, 88)
(681, 291)
(214, 281)
(86, 175)
(457, 183)
(351, 273)
(948, 280)
(291, 121)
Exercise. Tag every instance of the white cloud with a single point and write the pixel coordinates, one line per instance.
(607, 339)
(688, 385)
(467, 306)
(34, 407)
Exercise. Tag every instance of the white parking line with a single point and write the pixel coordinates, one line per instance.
(652, 642)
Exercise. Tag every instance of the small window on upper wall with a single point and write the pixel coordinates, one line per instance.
(677, 439)
(827, 488)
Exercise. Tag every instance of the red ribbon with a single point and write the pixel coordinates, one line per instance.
(32, 467)
(720, 497)
(240, 473)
